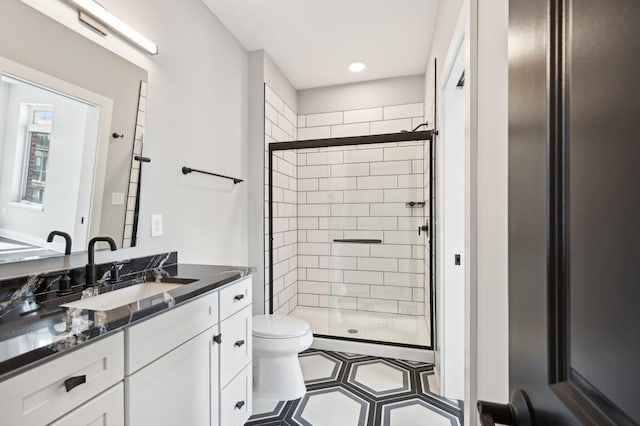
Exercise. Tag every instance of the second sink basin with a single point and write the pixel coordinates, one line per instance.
(127, 295)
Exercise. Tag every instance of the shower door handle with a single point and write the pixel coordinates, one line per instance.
(423, 228)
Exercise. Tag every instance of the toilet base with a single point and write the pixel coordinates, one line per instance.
(278, 378)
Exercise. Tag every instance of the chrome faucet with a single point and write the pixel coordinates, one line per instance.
(91, 266)
(67, 240)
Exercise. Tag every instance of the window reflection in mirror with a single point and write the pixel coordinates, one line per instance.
(34, 171)
(48, 143)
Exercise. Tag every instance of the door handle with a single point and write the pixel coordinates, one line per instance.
(72, 382)
(238, 297)
(517, 413)
(239, 405)
(239, 343)
(423, 228)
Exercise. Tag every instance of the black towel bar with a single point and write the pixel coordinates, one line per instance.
(187, 170)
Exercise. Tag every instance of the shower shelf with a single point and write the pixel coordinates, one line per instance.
(415, 204)
(357, 241)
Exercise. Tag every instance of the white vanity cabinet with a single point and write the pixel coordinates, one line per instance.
(183, 364)
(190, 365)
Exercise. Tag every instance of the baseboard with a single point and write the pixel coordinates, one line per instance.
(385, 351)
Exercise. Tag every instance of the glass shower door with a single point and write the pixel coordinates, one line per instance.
(368, 271)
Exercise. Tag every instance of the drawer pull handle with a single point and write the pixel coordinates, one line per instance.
(239, 343)
(239, 405)
(217, 339)
(238, 297)
(72, 382)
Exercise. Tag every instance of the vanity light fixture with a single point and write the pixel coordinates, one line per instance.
(357, 67)
(90, 7)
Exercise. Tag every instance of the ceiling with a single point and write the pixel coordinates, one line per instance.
(314, 41)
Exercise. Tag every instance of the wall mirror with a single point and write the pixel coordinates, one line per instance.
(71, 134)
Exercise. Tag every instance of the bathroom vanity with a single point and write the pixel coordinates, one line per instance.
(178, 351)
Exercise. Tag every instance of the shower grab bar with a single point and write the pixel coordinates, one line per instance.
(357, 241)
(187, 170)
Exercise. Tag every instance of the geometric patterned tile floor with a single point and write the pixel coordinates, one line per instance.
(360, 390)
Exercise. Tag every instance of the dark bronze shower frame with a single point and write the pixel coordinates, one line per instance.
(423, 136)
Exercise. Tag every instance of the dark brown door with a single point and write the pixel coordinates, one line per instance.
(574, 210)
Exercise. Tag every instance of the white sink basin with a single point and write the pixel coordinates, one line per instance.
(122, 297)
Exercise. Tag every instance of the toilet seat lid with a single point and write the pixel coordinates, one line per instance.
(279, 326)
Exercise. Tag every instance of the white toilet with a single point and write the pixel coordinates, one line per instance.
(277, 340)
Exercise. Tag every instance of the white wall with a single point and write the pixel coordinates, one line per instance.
(486, 289)
(486, 27)
(196, 116)
(446, 22)
(452, 204)
(492, 210)
(256, 178)
(366, 94)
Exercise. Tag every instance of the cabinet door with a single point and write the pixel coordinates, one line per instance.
(107, 409)
(235, 349)
(177, 388)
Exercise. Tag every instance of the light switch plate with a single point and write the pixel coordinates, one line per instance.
(117, 199)
(156, 225)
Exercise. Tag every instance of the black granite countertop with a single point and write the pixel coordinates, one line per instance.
(51, 330)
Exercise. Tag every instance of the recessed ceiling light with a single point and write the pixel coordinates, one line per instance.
(357, 67)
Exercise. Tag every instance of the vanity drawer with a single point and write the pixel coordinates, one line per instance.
(235, 400)
(107, 409)
(235, 297)
(39, 396)
(153, 338)
(235, 349)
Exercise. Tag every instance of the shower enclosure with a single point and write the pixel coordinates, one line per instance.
(348, 240)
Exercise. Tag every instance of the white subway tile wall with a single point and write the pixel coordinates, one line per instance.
(360, 192)
(281, 126)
